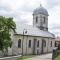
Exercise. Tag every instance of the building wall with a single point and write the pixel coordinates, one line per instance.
(53, 45)
(40, 22)
(45, 48)
(34, 20)
(57, 43)
(12, 38)
(26, 49)
(29, 50)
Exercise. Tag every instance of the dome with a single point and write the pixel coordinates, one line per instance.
(40, 10)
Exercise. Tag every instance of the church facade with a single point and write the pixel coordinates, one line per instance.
(34, 39)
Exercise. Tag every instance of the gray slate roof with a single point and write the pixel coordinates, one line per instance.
(40, 10)
(32, 30)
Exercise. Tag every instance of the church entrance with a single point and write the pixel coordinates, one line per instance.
(37, 51)
(42, 47)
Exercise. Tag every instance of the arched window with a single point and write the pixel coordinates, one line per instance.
(38, 43)
(29, 43)
(36, 19)
(44, 19)
(19, 43)
(51, 43)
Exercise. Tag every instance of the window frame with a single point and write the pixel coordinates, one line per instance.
(38, 43)
(44, 19)
(19, 43)
(29, 44)
(36, 19)
(51, 44)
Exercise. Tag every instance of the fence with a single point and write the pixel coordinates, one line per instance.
(56, 52)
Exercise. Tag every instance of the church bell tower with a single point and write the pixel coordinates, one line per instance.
(40, 18)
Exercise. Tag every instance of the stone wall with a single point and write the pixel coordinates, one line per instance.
(10, 58)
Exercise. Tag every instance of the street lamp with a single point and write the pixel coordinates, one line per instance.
(24, 31)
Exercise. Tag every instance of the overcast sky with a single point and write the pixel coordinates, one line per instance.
(22, 10)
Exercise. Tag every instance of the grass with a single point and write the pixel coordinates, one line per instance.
(25, 57)
(58, 51)
(57, 58)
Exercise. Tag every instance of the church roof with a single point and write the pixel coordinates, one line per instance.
(40, 10)
(32, 30)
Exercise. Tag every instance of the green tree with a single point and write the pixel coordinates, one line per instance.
(6, 24)
(11, 24)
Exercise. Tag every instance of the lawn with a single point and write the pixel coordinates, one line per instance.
(25, 57)
(57, 58)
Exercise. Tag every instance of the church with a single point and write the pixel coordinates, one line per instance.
(34, 39)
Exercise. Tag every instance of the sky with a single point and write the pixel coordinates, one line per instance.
(22, 10)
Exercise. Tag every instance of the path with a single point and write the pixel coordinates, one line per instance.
(42, 57)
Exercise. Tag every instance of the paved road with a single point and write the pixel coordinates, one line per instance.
(42, 57)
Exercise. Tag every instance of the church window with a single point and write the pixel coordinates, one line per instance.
(44, 19)
(38, 43)
(51, 43)
(19, 43)
(36, 19)
(29, 43)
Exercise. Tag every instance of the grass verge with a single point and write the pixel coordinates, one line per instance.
(25, 57)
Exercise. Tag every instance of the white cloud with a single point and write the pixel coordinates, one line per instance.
(22, 10)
